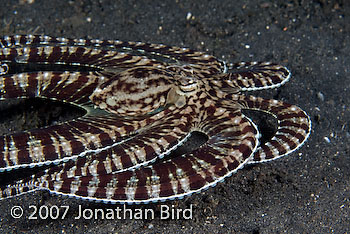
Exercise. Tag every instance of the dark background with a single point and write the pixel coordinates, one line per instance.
(305, 192)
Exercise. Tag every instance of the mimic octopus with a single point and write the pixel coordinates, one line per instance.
(143, 102)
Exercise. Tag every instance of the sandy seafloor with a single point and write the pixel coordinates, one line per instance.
(305, 192)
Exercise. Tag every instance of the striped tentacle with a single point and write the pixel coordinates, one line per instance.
(78, 57)
(205, 64)
(231, 143)
(294, 127)
(65, 141)
(252, 76)
(72, 87)
(51, 50)
(150, 143)
(24, 81)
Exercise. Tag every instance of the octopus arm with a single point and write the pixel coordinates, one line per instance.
(294, 127)
(250, 76)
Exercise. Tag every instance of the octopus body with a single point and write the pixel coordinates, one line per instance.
(143, 102)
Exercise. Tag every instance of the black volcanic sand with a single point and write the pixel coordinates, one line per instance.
(305, 192)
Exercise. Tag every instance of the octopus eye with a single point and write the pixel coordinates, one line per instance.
(187, 85)
(134, 92)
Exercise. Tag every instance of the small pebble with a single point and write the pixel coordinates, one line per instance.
(327, 139)
(320, 96)
(188, 16)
